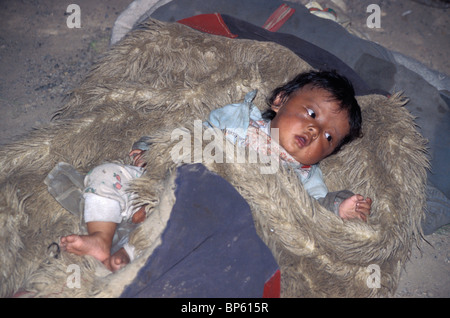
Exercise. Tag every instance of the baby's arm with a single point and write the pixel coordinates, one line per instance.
(137, 159)
(355, 207)
(343, 203)
(347, 205)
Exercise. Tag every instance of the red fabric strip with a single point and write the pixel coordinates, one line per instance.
(211, 23)
(272, 288)
(278, 18)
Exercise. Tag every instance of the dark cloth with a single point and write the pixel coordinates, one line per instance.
(209, 247)
(310, 53)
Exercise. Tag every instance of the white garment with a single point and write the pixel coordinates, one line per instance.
(106, 192)
(107, 198)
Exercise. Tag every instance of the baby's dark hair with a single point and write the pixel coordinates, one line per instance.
(340, 88)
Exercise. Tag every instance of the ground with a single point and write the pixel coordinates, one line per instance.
(41, 59)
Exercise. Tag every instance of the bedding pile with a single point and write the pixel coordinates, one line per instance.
(166, 76)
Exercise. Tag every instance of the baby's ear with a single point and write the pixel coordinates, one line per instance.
(277, 102)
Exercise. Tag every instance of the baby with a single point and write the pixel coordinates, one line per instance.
(312, 116)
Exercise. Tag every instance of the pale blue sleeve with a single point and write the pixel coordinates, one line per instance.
(314, 184)
(235, 117)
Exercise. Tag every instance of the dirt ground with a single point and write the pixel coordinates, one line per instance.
(41, 59)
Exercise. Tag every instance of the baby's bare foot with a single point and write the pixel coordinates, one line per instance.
(118, 260)
(86, 245)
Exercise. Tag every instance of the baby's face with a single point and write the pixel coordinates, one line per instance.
(310, 125)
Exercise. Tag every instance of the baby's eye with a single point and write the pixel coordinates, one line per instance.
(311, 112)
(328, 136)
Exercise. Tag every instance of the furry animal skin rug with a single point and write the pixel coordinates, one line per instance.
(163, 76)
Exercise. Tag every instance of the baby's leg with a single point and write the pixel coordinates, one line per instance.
(97, 243)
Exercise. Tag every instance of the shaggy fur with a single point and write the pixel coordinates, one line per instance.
(164, 76)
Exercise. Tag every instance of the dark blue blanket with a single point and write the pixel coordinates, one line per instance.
(209, 248)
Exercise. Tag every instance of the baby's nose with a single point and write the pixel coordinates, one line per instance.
(314, 131)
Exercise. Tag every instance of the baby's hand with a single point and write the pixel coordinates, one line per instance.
(137, 159)
(355, 207)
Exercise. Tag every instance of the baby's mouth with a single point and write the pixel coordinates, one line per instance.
(302, 141)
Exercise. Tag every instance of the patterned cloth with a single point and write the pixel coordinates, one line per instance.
(259, 138)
